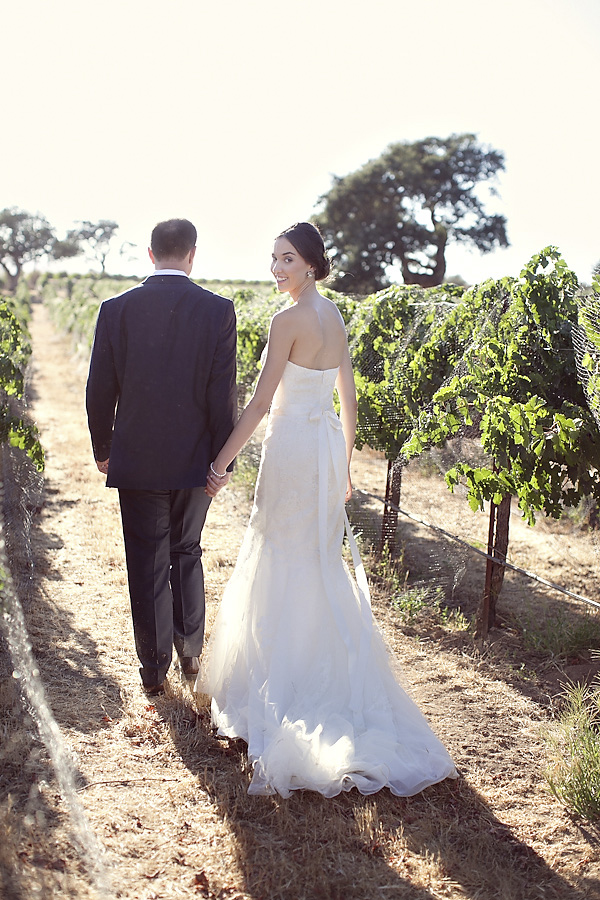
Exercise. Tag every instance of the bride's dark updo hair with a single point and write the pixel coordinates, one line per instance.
(308, 242)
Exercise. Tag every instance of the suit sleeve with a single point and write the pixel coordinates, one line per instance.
(222, 390)
(102, 390)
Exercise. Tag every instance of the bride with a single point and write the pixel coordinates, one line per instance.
(295, 665)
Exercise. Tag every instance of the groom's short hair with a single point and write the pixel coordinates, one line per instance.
(173, 239)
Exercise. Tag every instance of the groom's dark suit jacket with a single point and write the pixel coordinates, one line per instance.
(161, 395)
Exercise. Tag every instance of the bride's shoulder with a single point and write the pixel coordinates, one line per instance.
(284, 323)
(283, 316)
(289, 317)
(284, 311)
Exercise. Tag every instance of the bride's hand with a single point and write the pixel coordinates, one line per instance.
(214, 482)
(348, 490)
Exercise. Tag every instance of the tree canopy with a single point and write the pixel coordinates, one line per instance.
(403, 208)
(94, 239)
(23, 238)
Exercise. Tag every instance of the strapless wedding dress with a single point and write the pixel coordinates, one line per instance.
(295, 664)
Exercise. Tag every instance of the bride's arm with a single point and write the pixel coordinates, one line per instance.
(279, 345)
(347, 393)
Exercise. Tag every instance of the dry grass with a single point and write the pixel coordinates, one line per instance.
(168, 801)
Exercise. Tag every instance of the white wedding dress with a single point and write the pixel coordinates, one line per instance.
(295, 664)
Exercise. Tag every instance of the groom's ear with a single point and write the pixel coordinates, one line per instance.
(151, 255)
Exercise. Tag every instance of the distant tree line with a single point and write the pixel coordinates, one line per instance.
(25, 238)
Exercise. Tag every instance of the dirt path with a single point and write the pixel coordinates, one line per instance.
(168, 801)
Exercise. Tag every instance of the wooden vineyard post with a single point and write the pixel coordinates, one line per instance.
(494, 571)
(390, 509)
(483, 613)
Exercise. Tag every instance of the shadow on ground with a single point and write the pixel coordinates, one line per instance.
(356, 848)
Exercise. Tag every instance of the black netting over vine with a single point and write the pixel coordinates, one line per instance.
(21, 458)
(586, 341)
(476, 390)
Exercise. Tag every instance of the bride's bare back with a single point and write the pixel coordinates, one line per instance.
(320, 341)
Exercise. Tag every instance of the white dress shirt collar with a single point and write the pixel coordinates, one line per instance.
(170, 272)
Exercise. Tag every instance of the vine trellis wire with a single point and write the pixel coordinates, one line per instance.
(466, 544)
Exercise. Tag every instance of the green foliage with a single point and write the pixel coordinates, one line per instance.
(21, 301)
(573, 745)
(74, 301)
(412, 604)
(15, 351)
(560, 635)
(510, 371)
(385, 334)
(253, 314)
(260, 291)
(402, 209)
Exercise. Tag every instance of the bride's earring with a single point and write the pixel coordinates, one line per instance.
(309, 274)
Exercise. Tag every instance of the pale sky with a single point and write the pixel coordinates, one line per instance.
(237, 114)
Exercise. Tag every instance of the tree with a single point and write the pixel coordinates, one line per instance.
(510, 375)
(403, 208)
(94, 239)
(24, 238)
(63, 249)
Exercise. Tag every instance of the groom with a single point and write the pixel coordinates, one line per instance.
(161, 401)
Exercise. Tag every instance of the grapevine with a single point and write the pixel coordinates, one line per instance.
(15, 350)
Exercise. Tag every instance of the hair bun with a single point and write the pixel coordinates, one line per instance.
(307, 240)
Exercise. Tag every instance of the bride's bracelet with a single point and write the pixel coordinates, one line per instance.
(212, 469)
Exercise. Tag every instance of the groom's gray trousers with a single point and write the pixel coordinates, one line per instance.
(162, 532)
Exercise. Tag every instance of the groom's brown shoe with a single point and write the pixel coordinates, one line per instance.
(190, 666)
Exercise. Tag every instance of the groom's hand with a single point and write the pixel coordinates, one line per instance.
(102, 466)
(214, 483)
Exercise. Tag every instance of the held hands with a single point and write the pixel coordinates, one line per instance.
(215, 481)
